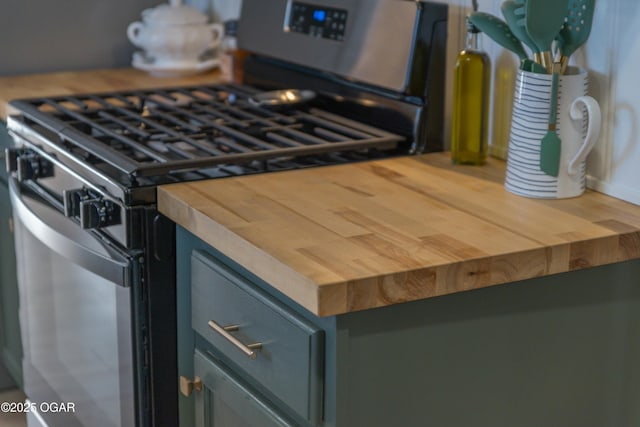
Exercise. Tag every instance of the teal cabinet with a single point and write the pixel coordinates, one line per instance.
(10, 340)
(276, 349)
(255, 357)
(557, 350)
(224, 401)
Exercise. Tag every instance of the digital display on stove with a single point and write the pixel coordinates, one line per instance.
(315, 21)
(319, 15)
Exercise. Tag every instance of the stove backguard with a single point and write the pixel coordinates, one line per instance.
(383, 43)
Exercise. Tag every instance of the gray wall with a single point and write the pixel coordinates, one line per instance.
(53, 35)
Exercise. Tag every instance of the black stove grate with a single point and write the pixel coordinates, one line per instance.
(151, 133)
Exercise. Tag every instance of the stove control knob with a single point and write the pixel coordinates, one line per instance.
(95, 213)
(72, 200)
(27, 165)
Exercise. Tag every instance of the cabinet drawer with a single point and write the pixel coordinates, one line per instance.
(224, 401)
(289, 363)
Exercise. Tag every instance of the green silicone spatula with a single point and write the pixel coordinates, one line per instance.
(543, 20)
(499, 32)
(508, 9)
(576, 29)
(550, 145)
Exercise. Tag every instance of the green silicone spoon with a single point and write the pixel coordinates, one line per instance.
(543, 20)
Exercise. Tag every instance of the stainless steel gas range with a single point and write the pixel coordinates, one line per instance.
(96, 260)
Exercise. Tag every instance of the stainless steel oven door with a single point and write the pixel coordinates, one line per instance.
(76, 321)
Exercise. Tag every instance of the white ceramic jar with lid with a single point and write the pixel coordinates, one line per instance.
(174, 36)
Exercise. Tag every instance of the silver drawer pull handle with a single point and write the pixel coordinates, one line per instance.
(247, 349)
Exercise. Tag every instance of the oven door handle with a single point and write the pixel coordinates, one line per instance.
(115, 268)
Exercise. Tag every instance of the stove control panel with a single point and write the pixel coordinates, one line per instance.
(316, 21)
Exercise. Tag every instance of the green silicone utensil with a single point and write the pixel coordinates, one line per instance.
(532, 66)
(550, 145)
(508, 9)
(543, 20)
(499, 32)
(575, 30)
(520, 12)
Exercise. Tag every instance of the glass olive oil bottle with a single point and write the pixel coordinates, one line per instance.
(471, 85)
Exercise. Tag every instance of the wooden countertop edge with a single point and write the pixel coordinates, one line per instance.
(477, 273)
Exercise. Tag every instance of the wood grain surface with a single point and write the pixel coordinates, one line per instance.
(351, 237)
(77, 82)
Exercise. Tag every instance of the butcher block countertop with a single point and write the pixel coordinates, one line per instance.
(352, 237)
(91, 81)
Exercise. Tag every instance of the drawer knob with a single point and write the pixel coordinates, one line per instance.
(248, 349)
(187, 386)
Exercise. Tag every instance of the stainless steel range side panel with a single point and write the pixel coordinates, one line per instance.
(378, 44)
